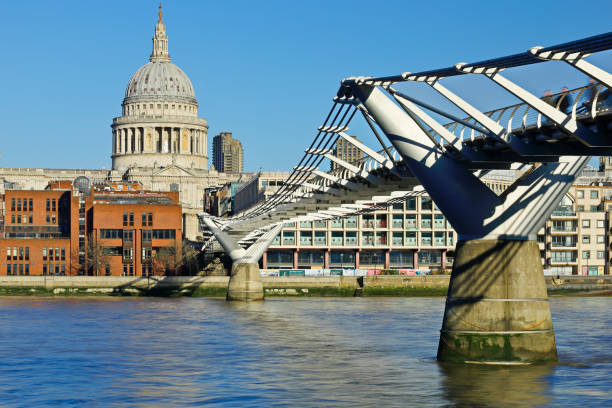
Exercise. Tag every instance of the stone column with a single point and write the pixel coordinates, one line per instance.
(295, 258)
(326, 259)
(245, 283)
(443, 258)
(387, 258)
(415, 259)
(357, 259)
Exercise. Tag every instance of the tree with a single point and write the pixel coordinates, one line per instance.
(95, 257)
(178, 259)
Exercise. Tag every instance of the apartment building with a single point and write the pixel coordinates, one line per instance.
(412, 234)
(575, 240)
(84, 228)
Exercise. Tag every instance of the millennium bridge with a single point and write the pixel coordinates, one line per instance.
(497, 309)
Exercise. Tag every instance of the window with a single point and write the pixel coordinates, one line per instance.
(131, 219)
(127, 253)
(27, 269)
(19, 204)
(125, 219)
(594, 193)
(107, 270)
(111, 251)
(601, 239)
(31, 208)
(600, 223)
(63, 257)
(146, 254)
(580, 208)
(146, 235)
(128, 235)
(586, 223)
(586, 239)
(21, 253)
(44, 268)
(586, 254)
(48, 204)
(27, 253)
(57, 253)
(594, 208)
(8, 253)
(8, 269)
(150, 217)
(580, 193)
(12, 204)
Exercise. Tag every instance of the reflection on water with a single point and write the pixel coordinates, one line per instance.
(301, 352)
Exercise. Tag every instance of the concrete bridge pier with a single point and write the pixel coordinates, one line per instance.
(245, 283)
(497, 308)
(245, 278)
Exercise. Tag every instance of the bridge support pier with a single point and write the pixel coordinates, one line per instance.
(245, 283)
(497, 308)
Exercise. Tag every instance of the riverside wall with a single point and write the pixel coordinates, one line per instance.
(428, 285)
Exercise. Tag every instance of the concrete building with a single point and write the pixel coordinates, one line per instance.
(260, 187)
(227, 154)
(159, 141)
(85, 228)
(415, 235)
(346, 151)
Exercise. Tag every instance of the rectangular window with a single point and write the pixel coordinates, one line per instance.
(586, 239)
(600, 223)
(27, 253)
(144, 219)
(12, 204)
(48, 202)
(580, 193)
(8, 269)
(44, 253)
(53, 202)
(594, 194)
(50, 253)
(12, 218)
(601, 254)
(53, 220)
(21, 253)
(586, 223)
(27, 269)
(44, 268)
(57, 253)
(131, 219)
(586, 254)
(31, 208)
(19, 204)
(594, 208)
(125, 219)
(63, 257)
(20, 269)
(150, 217)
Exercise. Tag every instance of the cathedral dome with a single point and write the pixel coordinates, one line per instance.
(159, 80)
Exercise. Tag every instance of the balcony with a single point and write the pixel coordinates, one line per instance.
(563, 229)
(561, 245)
(559, 261)
(563, 214)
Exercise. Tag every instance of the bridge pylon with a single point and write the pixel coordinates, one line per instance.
(497, 309)
(245, 278)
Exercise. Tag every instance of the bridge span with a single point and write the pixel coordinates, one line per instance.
(497, 309)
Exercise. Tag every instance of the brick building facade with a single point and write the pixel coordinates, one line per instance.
(76, 228)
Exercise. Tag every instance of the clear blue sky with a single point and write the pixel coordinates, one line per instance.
(265, 71)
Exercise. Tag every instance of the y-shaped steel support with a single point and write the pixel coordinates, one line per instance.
(497, 308)
(245, 279)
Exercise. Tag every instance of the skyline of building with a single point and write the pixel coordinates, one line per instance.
(346, 151)
(228, 156)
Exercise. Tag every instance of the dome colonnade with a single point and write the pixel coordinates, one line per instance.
(159, 125)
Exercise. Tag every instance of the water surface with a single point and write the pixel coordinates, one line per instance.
(311, 352)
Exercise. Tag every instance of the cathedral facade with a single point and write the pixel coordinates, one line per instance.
(158, 141)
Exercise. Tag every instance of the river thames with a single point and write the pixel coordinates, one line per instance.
(307, 352)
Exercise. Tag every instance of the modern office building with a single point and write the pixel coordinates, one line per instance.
(85, 228)
(227, 154)
(258, 188)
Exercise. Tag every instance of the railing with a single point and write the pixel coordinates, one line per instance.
(571, 244)
(563, 214)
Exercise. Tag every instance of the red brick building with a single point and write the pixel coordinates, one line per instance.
(80, 228)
